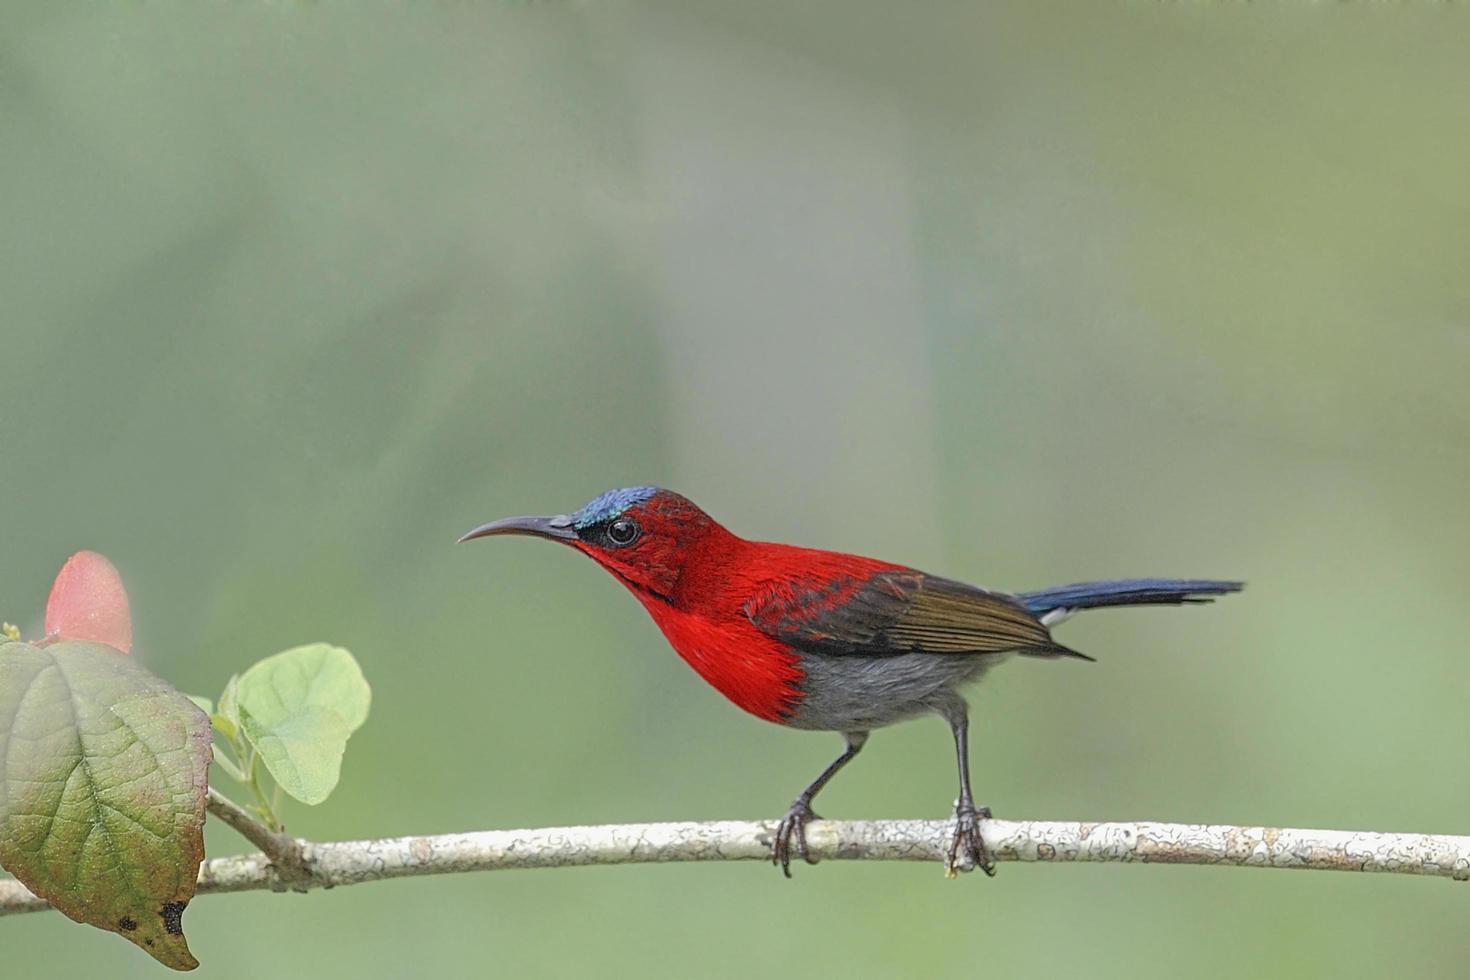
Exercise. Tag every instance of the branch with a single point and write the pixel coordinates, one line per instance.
(354, 862)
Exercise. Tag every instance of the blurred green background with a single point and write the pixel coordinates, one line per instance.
(292, 295)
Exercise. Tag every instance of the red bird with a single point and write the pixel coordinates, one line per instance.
(827, 641)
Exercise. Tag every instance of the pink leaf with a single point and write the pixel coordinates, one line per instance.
(88, 602)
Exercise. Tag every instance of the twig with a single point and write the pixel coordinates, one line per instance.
(288, 855)
(353, 862)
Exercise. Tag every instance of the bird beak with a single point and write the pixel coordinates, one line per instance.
(558, 528)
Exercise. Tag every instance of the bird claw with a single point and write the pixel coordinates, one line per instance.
(967, 850)
(792, 827)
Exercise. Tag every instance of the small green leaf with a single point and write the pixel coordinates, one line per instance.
(228, 700)
(203, 704)
(226, 716)
(224, 726)
(103, 777)
(297, 709)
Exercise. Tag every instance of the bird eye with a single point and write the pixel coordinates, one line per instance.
(622, 531)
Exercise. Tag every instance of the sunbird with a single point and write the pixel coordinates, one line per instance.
(826, 641)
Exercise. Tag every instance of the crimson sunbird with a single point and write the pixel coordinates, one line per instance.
(827, 641)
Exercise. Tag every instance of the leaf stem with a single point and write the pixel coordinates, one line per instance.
(229, 765)
(269, 811)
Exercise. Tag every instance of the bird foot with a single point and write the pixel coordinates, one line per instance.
(967, 850)
(792, 828)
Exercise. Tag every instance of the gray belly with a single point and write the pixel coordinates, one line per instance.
(853, 693)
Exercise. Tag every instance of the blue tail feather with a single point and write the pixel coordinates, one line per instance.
(1126, 592)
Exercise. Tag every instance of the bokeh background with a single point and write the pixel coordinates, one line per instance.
(292, 295)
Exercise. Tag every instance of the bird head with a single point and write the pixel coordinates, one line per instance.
(645, 536)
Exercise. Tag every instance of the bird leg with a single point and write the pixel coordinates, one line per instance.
(793, 826)
(967, 842)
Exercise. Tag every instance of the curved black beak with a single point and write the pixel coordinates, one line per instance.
(558, 528)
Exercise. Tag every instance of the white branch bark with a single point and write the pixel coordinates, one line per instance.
(353, 862)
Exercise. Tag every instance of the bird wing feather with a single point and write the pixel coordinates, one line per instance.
(893, 612)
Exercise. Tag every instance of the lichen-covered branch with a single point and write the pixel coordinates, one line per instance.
(352, 862)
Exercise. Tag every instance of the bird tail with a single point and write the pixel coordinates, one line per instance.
(1055, 604)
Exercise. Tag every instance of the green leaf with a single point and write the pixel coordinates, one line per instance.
(298, 709)
(303, 752)
(103, 778)
(203, 704)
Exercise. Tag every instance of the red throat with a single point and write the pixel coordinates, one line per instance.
(756, 672)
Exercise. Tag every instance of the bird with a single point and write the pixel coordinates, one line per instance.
(826, 641)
